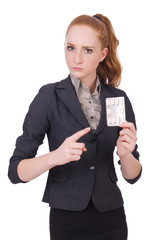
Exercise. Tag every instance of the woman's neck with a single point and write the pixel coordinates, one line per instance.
(91, 84)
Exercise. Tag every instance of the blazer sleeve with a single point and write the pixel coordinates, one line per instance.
(35, 126)
(130, 117)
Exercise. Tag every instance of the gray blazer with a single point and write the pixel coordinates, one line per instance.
(56, 111)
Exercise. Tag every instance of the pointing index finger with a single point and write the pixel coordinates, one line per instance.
(79, 134)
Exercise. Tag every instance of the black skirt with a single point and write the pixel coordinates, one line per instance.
(88, 224)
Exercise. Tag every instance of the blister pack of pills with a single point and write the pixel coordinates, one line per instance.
(115, 111)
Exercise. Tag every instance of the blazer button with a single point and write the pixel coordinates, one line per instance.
(92, 168)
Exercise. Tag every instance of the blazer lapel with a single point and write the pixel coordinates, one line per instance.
(68, 95)
(105, 93)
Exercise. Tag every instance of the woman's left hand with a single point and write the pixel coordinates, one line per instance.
(127, 139)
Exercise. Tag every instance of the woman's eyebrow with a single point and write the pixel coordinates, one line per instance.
(68, 43)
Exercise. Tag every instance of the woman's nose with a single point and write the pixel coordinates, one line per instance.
(78, 57)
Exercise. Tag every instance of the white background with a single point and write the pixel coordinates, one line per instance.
(32, 36)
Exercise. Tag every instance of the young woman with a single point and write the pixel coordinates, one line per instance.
(85, 201)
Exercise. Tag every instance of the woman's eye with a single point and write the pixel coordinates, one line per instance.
(88, 50)
(70, 48)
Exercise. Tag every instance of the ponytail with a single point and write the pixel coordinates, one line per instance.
(109, 70)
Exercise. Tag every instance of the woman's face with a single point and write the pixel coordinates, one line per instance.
(83, 52)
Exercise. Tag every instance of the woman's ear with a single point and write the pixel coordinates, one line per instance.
(104, 54)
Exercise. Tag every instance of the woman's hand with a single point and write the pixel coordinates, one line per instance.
(70, 150)
(127, 139)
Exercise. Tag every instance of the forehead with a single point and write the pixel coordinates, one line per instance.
(82, 35)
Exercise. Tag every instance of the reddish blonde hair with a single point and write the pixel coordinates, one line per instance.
(109, 70)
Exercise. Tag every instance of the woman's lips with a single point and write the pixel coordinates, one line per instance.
(77, 68)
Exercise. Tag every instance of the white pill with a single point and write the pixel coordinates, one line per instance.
(122, 110)
(109, 111)
(113, 120)
(108, 101)
(112, 101)
(117, 101)
(121, 101)
(109, 120)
